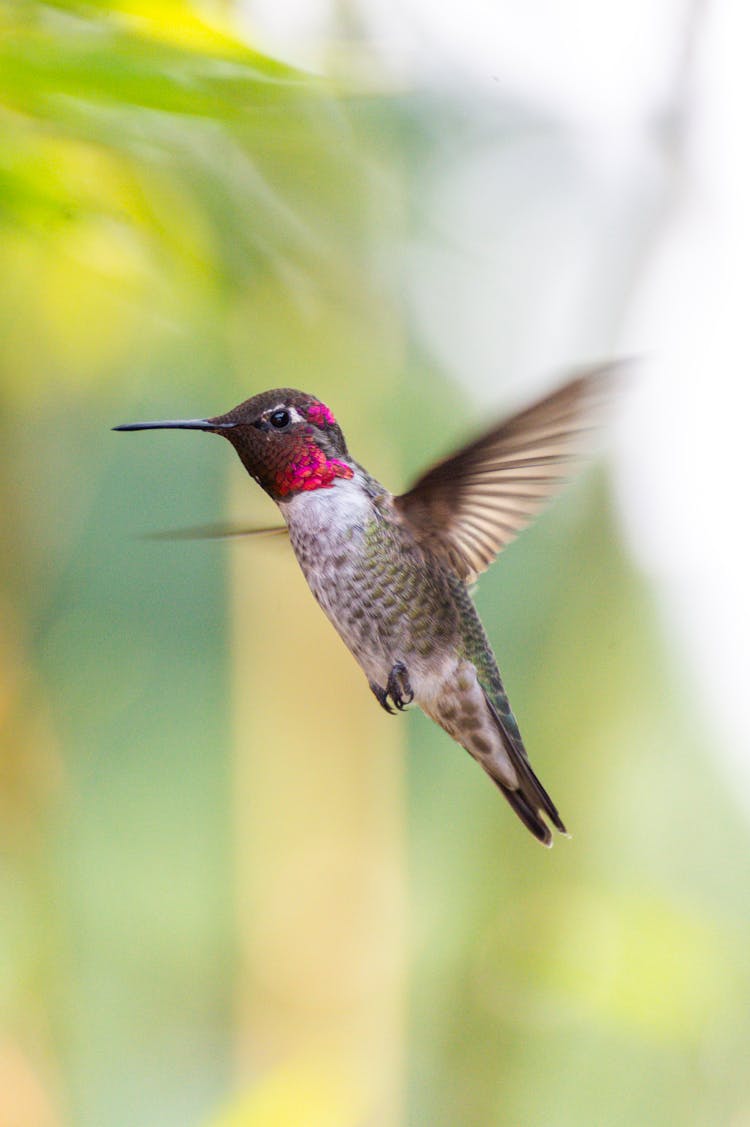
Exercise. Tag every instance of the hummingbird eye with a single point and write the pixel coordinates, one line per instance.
(279, 418)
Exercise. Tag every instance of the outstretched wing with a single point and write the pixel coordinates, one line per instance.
(216, 532)
(469, 506)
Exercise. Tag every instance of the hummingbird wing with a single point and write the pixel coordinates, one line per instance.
(474, 502)
(216, 532)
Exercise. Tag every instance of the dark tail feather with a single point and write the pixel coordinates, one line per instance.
(529, 800)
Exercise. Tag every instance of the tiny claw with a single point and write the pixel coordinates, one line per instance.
(399, 686)
(381, 696)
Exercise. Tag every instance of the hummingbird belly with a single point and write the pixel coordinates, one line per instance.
(391, 602)
(388, 601)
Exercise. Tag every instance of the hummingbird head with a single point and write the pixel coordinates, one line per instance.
(289, 442)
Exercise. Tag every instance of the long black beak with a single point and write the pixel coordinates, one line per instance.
(177, 424)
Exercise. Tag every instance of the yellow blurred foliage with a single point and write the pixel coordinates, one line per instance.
(26, 1099)
(312, 1091)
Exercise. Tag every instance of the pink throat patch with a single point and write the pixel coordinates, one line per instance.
(311, 470)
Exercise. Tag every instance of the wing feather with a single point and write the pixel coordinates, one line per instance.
(470, 505)
(216, 532)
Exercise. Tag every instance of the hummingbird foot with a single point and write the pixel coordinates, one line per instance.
(399, 687)
(381, 696)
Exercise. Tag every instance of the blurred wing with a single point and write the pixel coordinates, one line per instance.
(216, 532)
(469, 506)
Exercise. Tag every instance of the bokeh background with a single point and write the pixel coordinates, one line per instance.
(233, 893)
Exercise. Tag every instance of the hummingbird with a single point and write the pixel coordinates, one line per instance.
(394, 574)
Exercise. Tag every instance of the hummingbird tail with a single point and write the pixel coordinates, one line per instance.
(529, 799)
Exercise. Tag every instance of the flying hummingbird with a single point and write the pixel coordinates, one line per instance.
(393, 573)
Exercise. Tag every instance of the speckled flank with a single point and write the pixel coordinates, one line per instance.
(366, 571)
(458, 703)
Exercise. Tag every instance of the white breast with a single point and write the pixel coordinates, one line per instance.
(329, 512)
